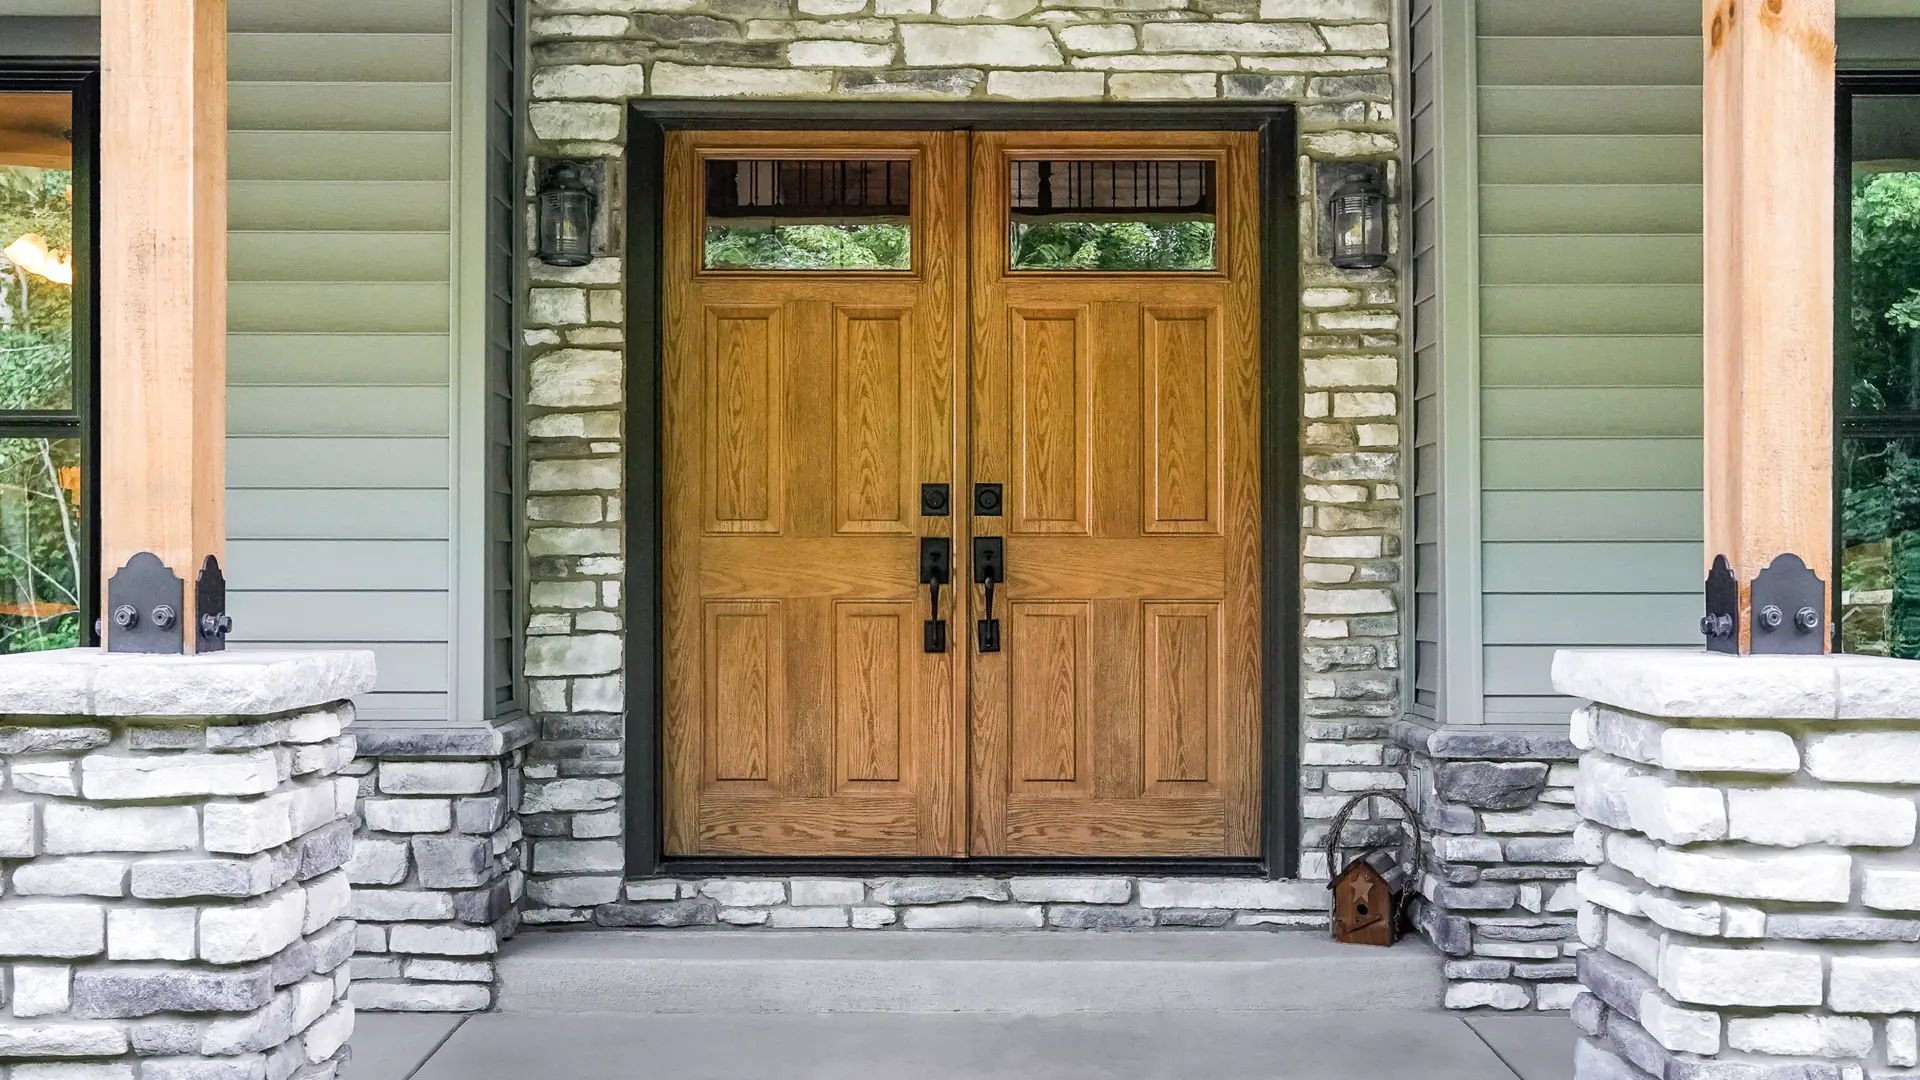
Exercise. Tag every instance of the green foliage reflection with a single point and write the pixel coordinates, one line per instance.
(36, 313)
(1113, 245)
(884, 246)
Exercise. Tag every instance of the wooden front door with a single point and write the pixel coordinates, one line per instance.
(819, 372)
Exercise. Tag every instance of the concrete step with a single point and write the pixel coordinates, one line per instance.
(643, 972)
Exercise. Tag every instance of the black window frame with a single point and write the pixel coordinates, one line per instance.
(1848, 88)
(81, 79)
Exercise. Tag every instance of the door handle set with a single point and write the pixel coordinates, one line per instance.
(936, 567)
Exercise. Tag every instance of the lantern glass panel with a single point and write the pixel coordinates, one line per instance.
(812, 214)
(566, 227)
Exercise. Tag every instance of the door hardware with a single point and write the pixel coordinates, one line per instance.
(986, 500)
(936, 569)
(989, 568)
(933, 500)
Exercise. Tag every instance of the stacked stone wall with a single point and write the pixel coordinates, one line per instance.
(436, 876)
(1333, 59)
(1497, 892)
(176, 900)
(1751, 906)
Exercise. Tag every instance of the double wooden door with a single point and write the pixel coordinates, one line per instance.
(834, 402)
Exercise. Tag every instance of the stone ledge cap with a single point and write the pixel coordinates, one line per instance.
(1694, 683)
(90, 682)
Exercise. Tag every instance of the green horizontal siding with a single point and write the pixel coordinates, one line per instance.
(1586, 209)
(1608, 259)
(339, 311)
(1591, 515)
(1622, 60)
(1622, 464)
(1654, 566)
(1590, 360)
(1586, 411)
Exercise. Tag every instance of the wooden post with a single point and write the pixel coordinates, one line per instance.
(1769, 288)
(163, 287)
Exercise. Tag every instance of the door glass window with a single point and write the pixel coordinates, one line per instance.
(43, 539)
(808, 215)
(1878, 399)
(1112, 215)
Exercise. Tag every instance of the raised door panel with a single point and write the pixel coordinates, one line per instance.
(1181, 688)
(745, 673)
(744, 438)
(873, 693)
(1047, 645)
(873, 430)
(1183, 448)
(1051, 390)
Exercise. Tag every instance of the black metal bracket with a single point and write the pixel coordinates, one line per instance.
(1723, 608)
(210, 605)
(1789, 609)
(145, 601)
(1788, 604)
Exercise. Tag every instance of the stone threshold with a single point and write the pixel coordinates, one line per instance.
(1092, 902)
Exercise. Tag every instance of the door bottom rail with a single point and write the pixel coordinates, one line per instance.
(1082, 902)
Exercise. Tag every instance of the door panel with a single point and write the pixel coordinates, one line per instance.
(1120, 408)
(803, 411)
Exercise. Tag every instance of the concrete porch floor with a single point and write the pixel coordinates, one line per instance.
(1411, 1044)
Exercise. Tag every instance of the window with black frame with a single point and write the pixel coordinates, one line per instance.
(1877, 399)
(46, 457)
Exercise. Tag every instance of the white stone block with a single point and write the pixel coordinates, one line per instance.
(1743, 923)
(1700, 918)
(106, 777)
(1609, 894)
(873, 918)
(1580, 728)
(73, 682)
(1475, 995)
(1549, 997)
(1590, 843)
(818, 892)
(1891, 890)
(1535, 819)
(71, 877)
(1807, 878)
(233, 935)
(1875, 984)
(813, 918)
(52, 929)
(1634, 854)
(1687, 683)
(1630, 941)
(1694, 1031)
(45, 778)
(329, 1033)
(41, 989)
(1675, 814)
(1240, 895)
(17, 840)
(312, 805)
(975, 917)
(1068, 890)
(1600, 791)
(443, 940)
(1865, 757)
(242, 828)
(73, 829)
(151, 933)
(1757, 977)
(1903, 1048)
(438, 777)
(1792, 817)
(1800, 1035)
(746, 893)
(929, 45)
(408, 815)
(328, 897)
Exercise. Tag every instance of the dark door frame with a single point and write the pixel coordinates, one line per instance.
(648, 122)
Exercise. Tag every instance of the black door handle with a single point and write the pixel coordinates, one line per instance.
(936, 569)
(989, 568)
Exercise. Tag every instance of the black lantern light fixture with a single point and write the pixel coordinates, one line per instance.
(566, 216)
(1357, 212)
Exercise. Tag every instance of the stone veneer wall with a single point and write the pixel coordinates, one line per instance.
(1331, 57)
(175, 832)
(1497, 891)
(440, 866)
(1752, 910)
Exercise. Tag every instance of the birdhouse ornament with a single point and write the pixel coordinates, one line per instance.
(1370, 893)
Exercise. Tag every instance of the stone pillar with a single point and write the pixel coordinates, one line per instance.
(175, 833)
(1751, 908)
(439, 866)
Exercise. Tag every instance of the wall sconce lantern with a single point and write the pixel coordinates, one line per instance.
(1357, 212)
(565, 216)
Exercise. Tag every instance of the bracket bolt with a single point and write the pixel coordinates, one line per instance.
(1771, 617)
(164, 616)
(216, 625)
(1806, 619)
(1715, 626)
(125, 617)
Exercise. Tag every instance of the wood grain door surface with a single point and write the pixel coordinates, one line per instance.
(802, 413)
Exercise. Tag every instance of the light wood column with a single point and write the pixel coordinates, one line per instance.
(163, 286)
(1769, 287)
